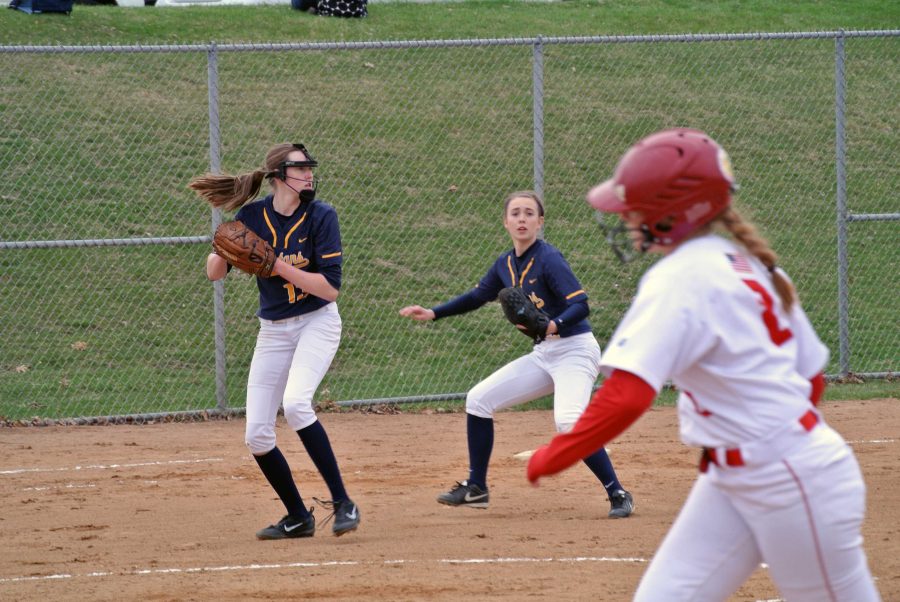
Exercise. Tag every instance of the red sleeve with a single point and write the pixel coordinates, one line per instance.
(614, 407)
(818, 388)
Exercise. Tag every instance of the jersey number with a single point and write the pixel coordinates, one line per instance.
(778, 335)
(293, 291)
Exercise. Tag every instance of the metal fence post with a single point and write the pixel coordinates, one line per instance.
(840, 86)
(537, 87)
(215, 166)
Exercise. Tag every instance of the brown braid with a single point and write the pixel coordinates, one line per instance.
(230, 192)
(746, 233)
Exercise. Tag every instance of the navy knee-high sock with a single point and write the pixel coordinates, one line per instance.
(278, 473)
(600, 465)
(317, 445)
(480, 433)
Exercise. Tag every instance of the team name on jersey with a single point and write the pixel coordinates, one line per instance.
(538, 302)
(295, 259)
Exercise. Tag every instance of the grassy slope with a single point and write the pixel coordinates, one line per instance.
(110, 25)
(834, 392)
(473, 19)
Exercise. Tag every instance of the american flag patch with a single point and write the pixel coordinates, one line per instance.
(739, 262)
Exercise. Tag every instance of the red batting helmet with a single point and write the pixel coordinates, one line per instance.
(679, 179)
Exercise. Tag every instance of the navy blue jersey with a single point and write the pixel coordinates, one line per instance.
(309, 240)
(544, 275)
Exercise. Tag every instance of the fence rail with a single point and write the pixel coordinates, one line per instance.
(461, 43)
(419, 141)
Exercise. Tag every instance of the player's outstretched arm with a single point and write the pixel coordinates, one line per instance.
(417, 312)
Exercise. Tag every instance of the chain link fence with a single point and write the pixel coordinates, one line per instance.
(104, 305)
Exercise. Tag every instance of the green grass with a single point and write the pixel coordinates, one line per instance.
(471, 19)
(418, 147)
(834, 392)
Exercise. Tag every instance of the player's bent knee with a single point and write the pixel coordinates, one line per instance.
(564, 424)
(260, 438)
(476, 408)
(299, 415)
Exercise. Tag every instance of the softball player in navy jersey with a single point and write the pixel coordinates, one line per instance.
(721, 321)
(565, 363)
(300, 327)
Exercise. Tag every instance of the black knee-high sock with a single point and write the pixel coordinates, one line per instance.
(480, 433)
(317, 445)
(600, 465)
(278, 473)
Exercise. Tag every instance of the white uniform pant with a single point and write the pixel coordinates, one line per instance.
(801, 515)
(290, 360)
(566, 367)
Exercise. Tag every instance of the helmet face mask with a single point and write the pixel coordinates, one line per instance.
(617, 236)
(678, 180)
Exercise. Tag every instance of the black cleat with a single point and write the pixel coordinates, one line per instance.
(289, 527)
(464, 494)
(346, 517)
(345, 514)
(621, 504)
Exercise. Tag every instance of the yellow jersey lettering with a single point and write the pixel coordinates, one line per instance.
(295, 259)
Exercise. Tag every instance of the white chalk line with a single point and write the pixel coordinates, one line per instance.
(14, 471)
(66, 486)
(292, 565)
(144, 482)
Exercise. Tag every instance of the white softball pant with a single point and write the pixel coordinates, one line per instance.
(290, 360)
(801, 515)
(566, 367)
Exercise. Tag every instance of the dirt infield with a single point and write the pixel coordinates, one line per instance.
(169, 511)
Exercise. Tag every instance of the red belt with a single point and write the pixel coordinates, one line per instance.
(733, 456)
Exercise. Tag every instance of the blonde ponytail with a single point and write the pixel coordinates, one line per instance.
(228, 192)
(746, 234)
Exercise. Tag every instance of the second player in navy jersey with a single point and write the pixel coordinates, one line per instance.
(566, 363)
(300, 326)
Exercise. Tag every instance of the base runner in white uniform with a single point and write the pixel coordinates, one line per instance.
(715, 316)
